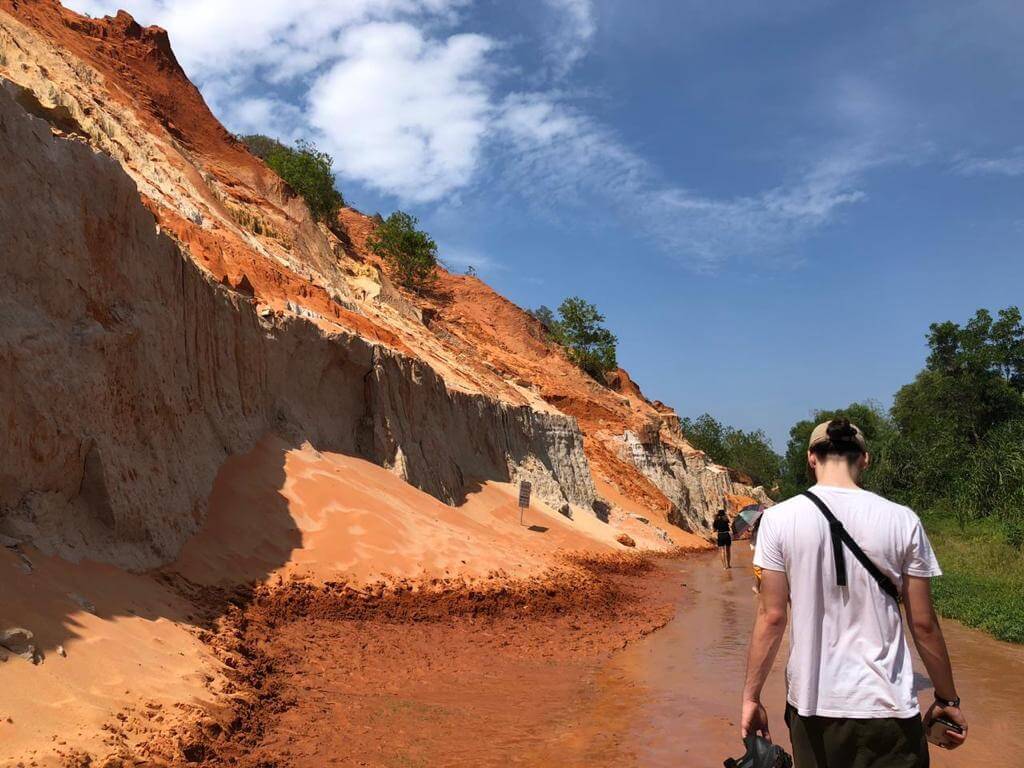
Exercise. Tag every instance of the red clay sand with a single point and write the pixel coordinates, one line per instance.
(437, 675)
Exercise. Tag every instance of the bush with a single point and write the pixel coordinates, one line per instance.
(991, 481)
(410, 253)
(305, 169)
(578, 329)
(546, 317)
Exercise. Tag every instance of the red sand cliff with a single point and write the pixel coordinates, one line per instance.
(240, 223)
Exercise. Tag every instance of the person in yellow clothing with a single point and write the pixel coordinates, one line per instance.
(753, 546)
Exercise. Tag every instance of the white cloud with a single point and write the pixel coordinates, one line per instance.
(273, 117)
(572, 34)
(404, 114)
(281, 38)
(400, 111)
(532, 118)
(581, 165)
(415, 112)
(1008, 165)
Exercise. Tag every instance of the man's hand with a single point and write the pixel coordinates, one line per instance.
(953, 714)
(754, 719)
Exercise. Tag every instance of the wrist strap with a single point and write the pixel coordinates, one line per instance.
(947, 702)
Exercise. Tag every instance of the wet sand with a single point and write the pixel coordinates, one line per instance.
(325, 675)
(558, 685)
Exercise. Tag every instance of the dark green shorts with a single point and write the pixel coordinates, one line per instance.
(848, 742)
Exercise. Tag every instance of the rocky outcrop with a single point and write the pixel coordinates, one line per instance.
(128, 374)
(696, 487)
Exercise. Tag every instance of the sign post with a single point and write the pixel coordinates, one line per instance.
(524, 498)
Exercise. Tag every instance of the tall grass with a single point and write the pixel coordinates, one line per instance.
(983, 581)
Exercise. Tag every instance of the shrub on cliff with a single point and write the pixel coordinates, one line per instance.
(410, 253)
(306, 170)
(578, 328)
(546, 317)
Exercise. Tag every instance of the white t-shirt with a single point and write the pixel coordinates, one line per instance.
(848, 654)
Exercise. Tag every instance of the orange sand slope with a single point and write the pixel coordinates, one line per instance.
(103, 639)
(285, 511)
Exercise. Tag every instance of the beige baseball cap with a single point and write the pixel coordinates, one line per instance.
(820, 435)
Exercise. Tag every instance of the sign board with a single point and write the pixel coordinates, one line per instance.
(524, 494)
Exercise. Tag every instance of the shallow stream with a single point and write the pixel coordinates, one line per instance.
(672, 699)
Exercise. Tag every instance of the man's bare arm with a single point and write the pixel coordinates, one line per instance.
(931, 645)
(769, 627)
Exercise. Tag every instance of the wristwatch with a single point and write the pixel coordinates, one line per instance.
(947, 702)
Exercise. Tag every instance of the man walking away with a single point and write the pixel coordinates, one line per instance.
(850, 697)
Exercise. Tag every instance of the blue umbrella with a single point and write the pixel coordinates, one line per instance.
(746, 518)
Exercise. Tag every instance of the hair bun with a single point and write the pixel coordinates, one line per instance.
(841, 431)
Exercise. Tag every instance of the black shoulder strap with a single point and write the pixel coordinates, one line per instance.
(841, 536)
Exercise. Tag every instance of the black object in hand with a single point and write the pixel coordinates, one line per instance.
(760, 754)
(937, 730)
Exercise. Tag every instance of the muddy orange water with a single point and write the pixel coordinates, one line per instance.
(672, 699)
(514, 692)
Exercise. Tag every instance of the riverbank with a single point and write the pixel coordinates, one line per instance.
(424, 673)
(610, 661)
(983, 576)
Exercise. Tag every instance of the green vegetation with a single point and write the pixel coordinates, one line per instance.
(410, 253)
(578, 328)
(952, 447)
(983, 585)
(306, 170)
(749, 452)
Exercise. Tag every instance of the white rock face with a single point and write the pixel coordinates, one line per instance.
(127, 376)
(696, 486)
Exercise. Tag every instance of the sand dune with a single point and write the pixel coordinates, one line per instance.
(339, 517)
(277, 511)
(106, 639)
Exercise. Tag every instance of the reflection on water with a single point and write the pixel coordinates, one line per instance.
(673, 698)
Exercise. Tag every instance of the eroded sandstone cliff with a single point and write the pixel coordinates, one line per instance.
(130, 374)
(167, 300)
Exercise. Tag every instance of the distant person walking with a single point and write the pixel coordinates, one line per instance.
(850, 698)
(720, 526)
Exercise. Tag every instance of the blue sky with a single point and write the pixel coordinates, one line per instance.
(769, 201)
